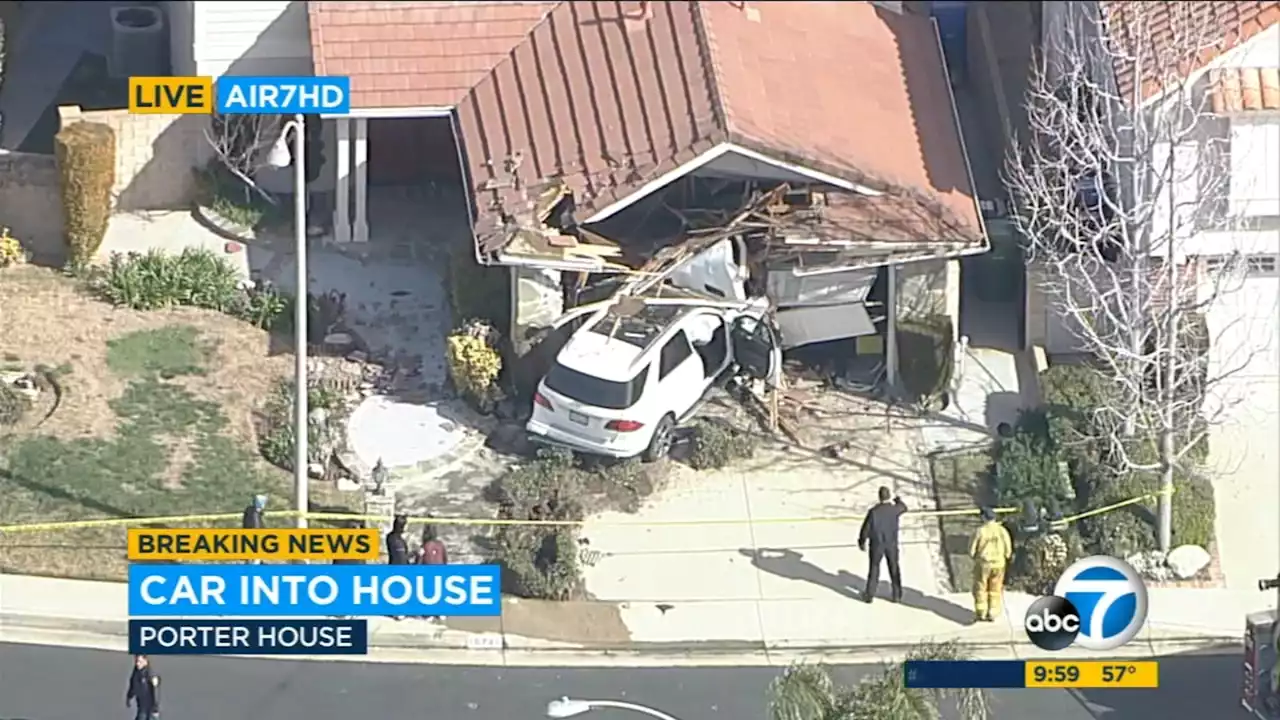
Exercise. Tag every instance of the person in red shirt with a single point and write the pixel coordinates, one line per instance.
(432, 552)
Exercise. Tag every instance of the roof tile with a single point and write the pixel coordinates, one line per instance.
(1245, 89)
(429, 35)
(1180, 37)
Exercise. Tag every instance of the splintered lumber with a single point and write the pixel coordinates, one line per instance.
(596, 238)
(595, 250)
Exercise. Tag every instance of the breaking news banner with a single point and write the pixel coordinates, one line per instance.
(175, 544)
(249, 637)
(240, 95)
(314, 590)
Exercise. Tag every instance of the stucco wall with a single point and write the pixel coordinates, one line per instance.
(30, 205)
(251, 38)
(155, 155)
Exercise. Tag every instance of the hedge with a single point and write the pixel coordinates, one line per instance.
(926, 355)
(86, 157)
(539, 561)
(478, 291)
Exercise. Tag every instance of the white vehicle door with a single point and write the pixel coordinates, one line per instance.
(680, 376)
(756, 348)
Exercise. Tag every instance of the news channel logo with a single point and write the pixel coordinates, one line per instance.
(1099, 603)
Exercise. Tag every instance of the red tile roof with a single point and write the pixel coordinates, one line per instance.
(848, 89)
(416, 54)
(1180, 37)
(601, 102)
(607, 96)
(1242, 89)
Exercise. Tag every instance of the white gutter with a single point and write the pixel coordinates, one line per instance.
(709, 157)
(964, 149)
(802, 170)
(550, 264)
(657, 184)
(406, 112)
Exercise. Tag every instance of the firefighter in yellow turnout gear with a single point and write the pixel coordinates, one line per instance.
(991, 550)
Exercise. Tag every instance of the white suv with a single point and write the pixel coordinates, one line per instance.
(623, 382)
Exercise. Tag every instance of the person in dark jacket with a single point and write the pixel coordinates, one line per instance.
(879, 536)
(144, 690)
(253, 513)
(253, 517)
(397, 547)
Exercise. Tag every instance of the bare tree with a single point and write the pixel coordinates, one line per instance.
(1124, 164)
(242, 144)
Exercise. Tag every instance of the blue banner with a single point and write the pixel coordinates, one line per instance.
(244, 95)
(249, 637)
(313, 590)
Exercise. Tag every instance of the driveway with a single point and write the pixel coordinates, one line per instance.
(752, 557)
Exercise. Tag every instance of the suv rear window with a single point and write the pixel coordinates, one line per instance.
(595, 391)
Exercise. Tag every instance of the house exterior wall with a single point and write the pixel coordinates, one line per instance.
(930, 287)
(155, 155)
(251, 38)
(31, 204)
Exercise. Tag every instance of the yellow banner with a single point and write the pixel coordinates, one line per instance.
(171, 95)
(1092, 674)
(285, 544)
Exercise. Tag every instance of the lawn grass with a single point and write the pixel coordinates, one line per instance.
(167, 352)
(168, 454)
(959, 482)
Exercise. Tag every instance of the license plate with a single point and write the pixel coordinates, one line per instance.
(578, 417)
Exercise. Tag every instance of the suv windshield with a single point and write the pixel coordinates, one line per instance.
(594, 391)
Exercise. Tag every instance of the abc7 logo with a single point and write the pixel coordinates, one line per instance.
(1052, 623)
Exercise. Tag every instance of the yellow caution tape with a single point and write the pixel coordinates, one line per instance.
(171, 519)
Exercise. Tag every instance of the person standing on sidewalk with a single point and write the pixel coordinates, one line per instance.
(397, 547)
(144, 690)
(879, 536)
(432, 552)
(991, 550)
(252, 519)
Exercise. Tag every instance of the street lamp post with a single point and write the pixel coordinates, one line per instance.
(280, 158)
(569, 707)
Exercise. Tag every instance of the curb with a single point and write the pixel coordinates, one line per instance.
(456, 647)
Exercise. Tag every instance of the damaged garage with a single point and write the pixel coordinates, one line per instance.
(730, 151)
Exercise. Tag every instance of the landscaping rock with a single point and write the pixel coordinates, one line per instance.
(1150, 564)
(1187, 561)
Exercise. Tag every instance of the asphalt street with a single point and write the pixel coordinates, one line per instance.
(50, 683)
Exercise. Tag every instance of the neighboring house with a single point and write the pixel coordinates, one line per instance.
(1241, 81)
(520, 101)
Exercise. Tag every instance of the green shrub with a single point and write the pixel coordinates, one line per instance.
(539, 561)
(926, 354)
(13, 405)
(1028, 466)
(474, 363)
(264, 307)
(1194, 510)
(86, 158)
(276, 437)
(716, 445)
(156, 279)
(1038, 561)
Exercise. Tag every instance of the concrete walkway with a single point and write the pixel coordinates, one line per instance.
(93, 614)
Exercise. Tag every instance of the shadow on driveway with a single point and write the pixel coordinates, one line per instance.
(791, 564)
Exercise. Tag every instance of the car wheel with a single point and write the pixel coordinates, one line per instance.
(660, 443)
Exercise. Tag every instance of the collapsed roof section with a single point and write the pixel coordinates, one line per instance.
(607, 102)
(604, 103)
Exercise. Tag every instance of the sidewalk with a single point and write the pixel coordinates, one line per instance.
(733, 632)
